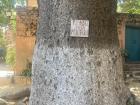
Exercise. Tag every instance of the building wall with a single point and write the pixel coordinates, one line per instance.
(121, 31)
(24, 52)
(25, 39)
(32, 3)
(123, 21)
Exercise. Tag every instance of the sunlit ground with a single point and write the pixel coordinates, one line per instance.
(6, 73)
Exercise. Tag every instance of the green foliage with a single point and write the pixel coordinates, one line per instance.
(129, 6)
(3, 20)
(5, 5)
(124, 53)
(11, 56)
(2, 41)
(2, 46)
(131, 100)
(13, 22)
(28, 71)
(8, 6)
(21, 2)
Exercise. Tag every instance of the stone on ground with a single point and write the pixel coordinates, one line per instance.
(14, 93)
(3, 102)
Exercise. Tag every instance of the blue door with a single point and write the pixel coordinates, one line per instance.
(132, 43)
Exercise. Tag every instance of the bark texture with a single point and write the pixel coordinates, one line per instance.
(77, 71)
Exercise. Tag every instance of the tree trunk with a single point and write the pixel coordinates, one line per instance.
(77, 71)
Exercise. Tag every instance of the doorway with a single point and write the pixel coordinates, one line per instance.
(132, 43)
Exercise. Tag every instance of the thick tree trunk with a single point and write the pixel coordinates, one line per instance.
(77, 71)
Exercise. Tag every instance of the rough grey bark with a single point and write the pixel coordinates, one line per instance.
(77, 71)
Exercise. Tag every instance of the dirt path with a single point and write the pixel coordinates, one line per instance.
(4, 67)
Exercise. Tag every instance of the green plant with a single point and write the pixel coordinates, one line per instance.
(2, 46)
(9, 6)
(11, 56)
(28, 71)
(129, 6)
(124, 53)
(2, 40)
(131, 100)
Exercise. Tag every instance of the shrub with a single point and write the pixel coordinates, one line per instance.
(11, 56)
(28, 71)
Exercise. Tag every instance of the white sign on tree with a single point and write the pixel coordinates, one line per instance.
(79, 28)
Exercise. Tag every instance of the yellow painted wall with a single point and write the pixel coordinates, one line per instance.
(24, 52)
(24, 44)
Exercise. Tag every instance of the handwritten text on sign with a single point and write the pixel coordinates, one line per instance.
(79, 28)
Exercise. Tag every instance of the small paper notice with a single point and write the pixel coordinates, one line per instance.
(79, 28)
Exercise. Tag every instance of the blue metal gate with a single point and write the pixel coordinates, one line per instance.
(132, 43)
